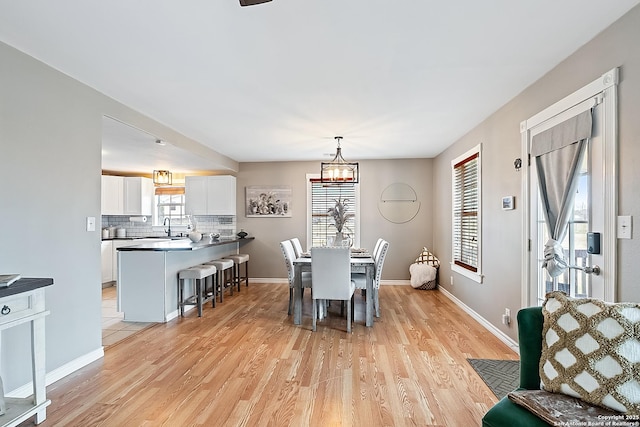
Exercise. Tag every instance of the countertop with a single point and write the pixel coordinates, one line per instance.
(25, 285)
(104, 239)
(183, 244)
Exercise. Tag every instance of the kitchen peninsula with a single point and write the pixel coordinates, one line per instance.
(148, 274)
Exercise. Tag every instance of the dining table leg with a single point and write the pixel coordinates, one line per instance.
(369, 310)
(297, 296)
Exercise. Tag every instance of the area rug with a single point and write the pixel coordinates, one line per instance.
(502, 376)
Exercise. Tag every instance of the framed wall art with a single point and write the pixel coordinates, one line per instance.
(263, 201)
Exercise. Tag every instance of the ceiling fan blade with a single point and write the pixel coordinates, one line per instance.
(252, 2)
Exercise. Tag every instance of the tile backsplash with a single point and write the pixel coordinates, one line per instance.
(225, 225)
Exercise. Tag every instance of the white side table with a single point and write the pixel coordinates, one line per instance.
(23, 302)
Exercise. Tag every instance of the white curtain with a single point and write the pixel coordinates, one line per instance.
(558, 153)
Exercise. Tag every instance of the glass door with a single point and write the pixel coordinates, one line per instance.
(587, 216)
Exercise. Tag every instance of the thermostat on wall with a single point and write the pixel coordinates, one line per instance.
(507, 203)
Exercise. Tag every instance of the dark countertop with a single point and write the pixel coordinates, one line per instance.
(25, 285)
(183, 244)
(105, 239)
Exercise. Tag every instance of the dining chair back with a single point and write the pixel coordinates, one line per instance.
(376, 248)
(379, 260)
(289, 256)
(297, 246)
(360, 279)
(331, 278)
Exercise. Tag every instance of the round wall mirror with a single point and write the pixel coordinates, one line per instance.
(398, 203)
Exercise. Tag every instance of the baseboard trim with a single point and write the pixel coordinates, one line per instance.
(513, 345)
(59, 373)
(395, 283)
(270, 280)
(281, 281)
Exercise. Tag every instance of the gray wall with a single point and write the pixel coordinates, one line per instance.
(50, 166)
(405, 240)
(500, 136)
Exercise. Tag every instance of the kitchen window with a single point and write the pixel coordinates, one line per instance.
(466, 214)
(170, 203)
(322, 197)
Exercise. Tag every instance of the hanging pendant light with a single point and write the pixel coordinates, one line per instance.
(338, 170)
(162, 177)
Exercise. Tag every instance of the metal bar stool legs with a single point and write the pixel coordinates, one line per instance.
(198, 274)
(224, 275)
(238, 260)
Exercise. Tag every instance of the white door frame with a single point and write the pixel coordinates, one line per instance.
(606, 86)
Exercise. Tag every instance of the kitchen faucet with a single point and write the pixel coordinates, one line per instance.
(167, 230)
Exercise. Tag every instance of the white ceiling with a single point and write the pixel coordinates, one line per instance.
(277, 81)
(132, 150)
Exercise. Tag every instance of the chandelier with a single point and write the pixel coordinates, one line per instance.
(338, 170)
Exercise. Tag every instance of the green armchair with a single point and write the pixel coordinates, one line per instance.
(505, 413)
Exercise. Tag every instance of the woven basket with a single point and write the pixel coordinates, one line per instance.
(427, 257)
(429, 285)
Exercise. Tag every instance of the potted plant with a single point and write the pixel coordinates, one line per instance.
(340, 216)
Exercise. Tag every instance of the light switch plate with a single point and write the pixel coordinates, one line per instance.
(91, 223)
(625, 227)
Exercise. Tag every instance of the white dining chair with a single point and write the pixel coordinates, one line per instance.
(289, 256)
(331, 273)
(297, 246)
(376, 248)
(360, 279)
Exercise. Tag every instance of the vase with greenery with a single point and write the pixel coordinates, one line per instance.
(340, 216)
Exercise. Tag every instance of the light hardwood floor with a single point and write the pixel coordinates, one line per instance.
(245, 364)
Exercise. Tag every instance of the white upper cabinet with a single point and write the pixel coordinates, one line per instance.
(112, 195)
(195, 195)
(221, 195)
(138, 196)
(127, 195)
(210, 195)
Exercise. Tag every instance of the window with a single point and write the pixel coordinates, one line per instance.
(466, 211)
(170, 204)
(321, 198)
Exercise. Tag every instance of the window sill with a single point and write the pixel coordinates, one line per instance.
(476, 277)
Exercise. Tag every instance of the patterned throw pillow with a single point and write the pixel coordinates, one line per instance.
(591, 350)
(427, 257)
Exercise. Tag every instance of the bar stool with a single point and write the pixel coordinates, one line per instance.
(239, 259)
(224, 275)
(197, 274)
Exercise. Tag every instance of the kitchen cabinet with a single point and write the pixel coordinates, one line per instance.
(127, 195)
(106, 251)
(112, 201)
(210, 195)
(138, 193)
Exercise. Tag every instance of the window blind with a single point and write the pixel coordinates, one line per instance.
(465, 212)
(323, 198)
(169, 190)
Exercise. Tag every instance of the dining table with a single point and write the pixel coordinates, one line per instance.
(361, 262)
